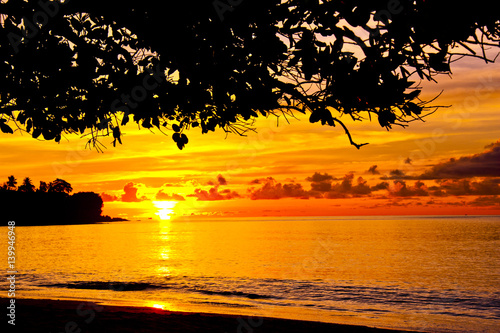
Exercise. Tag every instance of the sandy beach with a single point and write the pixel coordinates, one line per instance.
(79, 316)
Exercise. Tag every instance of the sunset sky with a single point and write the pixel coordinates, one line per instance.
(449, 164)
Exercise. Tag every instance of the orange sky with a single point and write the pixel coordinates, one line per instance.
(307, 169)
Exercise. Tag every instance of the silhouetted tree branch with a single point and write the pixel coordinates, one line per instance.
(90, 67)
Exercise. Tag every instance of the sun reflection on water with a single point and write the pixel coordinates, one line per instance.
(160, 305)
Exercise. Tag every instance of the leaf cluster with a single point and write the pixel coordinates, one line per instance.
(93, 67)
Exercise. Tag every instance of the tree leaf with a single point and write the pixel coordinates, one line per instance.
(6, 129)
(36, 132)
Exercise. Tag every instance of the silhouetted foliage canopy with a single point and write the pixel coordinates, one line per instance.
(49, 204)
(90, 67)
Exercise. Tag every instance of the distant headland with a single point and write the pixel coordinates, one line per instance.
(50, 204)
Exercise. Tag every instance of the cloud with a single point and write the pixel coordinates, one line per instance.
(467, 187)
(318, 177)
(166, 197)
(491, 145)
(324, 186)
(221, 180)
(380, 186)
(487, 186)
(485, 164)
(400, 189)
(108, 197)
(361, 188)
(395, 174)
(274, 190)
(213, 194)
(183, 183)
(130, 194)
(321, 182)
(486, 201)
(456, 187)
(436, 191)
(373, 170)
(346, 188)
(399, 203)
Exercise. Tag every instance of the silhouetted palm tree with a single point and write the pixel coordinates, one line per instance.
(11, 183)
(27, 185)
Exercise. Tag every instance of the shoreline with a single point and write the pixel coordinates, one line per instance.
(36, 315)
(102, 220)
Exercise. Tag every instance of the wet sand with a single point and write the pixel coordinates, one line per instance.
(80, 316)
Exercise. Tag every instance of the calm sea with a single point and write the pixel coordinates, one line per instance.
(432, 273)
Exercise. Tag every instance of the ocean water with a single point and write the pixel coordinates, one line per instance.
(425, 273)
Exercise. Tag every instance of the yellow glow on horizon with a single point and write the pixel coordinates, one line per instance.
(165, 209)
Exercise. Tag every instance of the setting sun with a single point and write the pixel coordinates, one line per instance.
(165, 209)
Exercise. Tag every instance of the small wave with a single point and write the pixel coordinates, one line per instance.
(232, 305)
(140, 286)
(235, 293)
(101, 285)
